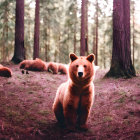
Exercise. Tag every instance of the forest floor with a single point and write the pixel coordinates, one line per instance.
(26, 108)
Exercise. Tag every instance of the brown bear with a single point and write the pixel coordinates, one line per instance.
(5, 72)
(74, 98)
(53, 67)
(62, 68)
(33, 65)
(57, 67)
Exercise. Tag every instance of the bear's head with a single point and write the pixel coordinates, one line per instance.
(22, 64)
(81, 69)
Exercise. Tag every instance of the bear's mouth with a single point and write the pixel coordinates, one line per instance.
(80, 78)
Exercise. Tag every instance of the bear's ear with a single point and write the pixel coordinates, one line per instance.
(73, 57)
(91, 57)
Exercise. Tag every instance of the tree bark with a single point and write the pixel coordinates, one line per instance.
(96, 34)
(36, 31)
(45, 43)
(5, 32)
(75, 26)
(121, 64)
(82, 41)
(86, 28)
(104, 54)
(19, 51)
(133, 18)
(59, 45)
(94, 40)
(74, 38)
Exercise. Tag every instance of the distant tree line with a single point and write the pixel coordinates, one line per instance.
(52, 29)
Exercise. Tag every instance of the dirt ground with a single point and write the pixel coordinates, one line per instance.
(26, 108)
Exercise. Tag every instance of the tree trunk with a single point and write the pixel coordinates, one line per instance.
(45, 43)
(94, 40)
(74, 38)
(59, 45)
(5, 32)
(121, 64)
(82, 42)
(75, 26)
(19, 52)
(96, 34)
(133, 18)
(104, 54)
(47, 49)
(36, 31)
(86, 28)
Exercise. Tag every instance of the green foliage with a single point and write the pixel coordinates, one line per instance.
(7, 24)
(59, 22)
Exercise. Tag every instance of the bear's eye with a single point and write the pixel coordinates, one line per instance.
(85, 66)
(77, 66)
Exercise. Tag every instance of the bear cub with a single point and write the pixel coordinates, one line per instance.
(5, 71)
(74, 98)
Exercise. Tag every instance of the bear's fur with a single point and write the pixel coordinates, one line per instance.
(74, 98)
(62, 68)
(53, 67)
(57, 67)
(5, 71)
(33, 65)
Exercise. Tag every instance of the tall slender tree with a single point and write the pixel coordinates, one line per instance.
(75, 26)
(133, 36)
(5, 30)
(95, 32)
(82, 42)
(121, 64)
(74, 38)
(86, 28)
(36, 32)
(19, 52)
(94, 39)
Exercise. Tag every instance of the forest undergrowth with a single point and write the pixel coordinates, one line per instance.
(26, 108)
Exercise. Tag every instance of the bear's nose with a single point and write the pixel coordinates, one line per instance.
(80, 74)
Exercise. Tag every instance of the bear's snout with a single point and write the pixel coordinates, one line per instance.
(80, 71)
(80, 74)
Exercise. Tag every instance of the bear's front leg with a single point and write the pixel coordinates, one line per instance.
(83, 112)
(26, 67)
(82, 117)
(70, 116)
(58, 110)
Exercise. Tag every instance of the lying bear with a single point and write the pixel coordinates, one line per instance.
(5, 71)
(56, 68)
(33, 65)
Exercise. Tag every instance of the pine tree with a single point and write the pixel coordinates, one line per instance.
(36, 32)
(83, 27)
(19, 52)
(96, 34)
